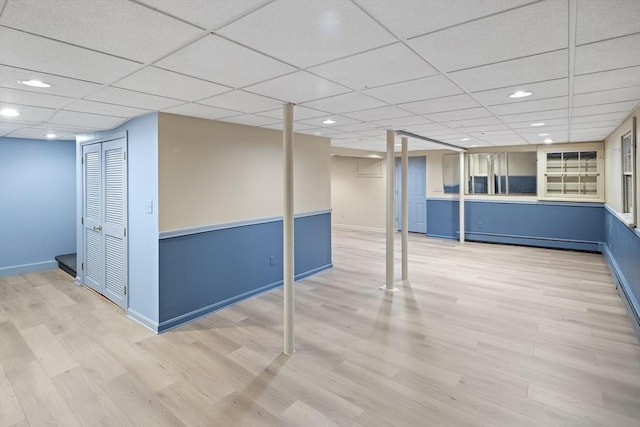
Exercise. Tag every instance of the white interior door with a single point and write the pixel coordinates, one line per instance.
(93, 266)
(105, 219)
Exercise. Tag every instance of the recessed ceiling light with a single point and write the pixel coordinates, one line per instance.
(474, 145)
(544, 134)
(9, 112)
(34, 83)
(318, 133)
(520, 94)
(537, 124)
(329, 122)
(465, 139)
(548, 141)
(51, 135)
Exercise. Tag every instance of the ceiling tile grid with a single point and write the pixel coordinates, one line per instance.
(442, 69)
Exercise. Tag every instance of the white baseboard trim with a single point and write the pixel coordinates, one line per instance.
(28, 268)
(357, 227)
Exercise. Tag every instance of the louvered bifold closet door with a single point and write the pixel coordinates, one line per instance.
(115, 220)
(92, 217)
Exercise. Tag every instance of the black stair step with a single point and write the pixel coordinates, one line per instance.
(67, 263)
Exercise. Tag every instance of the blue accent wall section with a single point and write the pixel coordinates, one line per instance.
(442, 218)
(37, 203)
(547, 224)
(201, 273)
(622, 250)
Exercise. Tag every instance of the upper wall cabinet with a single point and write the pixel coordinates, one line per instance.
(571, 174)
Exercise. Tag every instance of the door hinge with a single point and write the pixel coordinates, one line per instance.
(125, 155)
(81, 221)
(82, 266)
(82, 160)
(125, 289)
(125, 232)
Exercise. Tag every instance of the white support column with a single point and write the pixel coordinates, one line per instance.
(390, 210)
(287, 227)
(461, 199)
(405, 209)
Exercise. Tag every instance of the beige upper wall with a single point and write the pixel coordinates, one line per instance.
(357, 200)
(613, 163)
(214, 172)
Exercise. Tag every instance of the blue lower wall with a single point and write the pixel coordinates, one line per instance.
(548, 224)
(622, 250)
(37, 203)
(203, 272)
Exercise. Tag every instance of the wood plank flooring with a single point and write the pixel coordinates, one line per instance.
(484, 335)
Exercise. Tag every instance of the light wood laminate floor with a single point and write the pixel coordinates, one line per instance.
(483, 335)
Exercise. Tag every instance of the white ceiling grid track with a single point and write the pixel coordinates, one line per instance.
(444, 69)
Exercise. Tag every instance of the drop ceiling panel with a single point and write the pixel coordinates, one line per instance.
(242, 101)
(339, 121)
(354, 127)
(314, 31)
(615, 116)
(299, 113)
(465, 122)
(515, 32)
(298, 127)
(380, 113)
(8, 127)
(28, 114)
(201, 111)
(249, 119)
(557, 123)
(607, 96)
(598, 20)
(344, 103)
(427, 127)
(297, 88)
(61, 86)
(91, 121)
(23, 50)
(506, 141)
(402, 122)
(226, 63)
(386, 65)
(156, 81)
(417, 17)
(436, 105)
(539, 116)
(13, 96)
(611, 124)
(205, 13)
(531, 106)
(548, 66)
(415, 90)
(493, 133)
(614, 107)
(484, 128)
(470, 113)
(540, 90)
(608, 55)
(40, 133)
(606, 80)
(116, 27)
(114, 95)
(84, 106)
